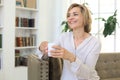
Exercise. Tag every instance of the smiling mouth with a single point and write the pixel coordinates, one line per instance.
(72, 22)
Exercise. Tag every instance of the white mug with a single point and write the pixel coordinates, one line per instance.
(50, 45)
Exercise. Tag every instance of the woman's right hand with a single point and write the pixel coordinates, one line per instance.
(44, 47)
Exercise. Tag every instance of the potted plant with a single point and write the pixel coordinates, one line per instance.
(109, 24)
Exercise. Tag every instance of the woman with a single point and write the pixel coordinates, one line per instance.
(78, 48)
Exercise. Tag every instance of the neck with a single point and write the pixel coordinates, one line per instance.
(79, 34)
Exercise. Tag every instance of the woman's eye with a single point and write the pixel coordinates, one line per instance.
(75, 14)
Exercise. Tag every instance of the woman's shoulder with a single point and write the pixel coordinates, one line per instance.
(95, 39)
(66, 34)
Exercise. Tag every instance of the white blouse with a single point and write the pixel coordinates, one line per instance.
(87, 54)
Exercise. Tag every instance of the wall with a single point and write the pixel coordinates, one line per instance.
(50, 19)
(8, 40)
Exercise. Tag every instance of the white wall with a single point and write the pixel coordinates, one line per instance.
(8, 40)
(50, 19)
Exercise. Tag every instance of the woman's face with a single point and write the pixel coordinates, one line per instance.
(75, 18)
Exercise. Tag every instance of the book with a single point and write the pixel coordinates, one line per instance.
(19, 3)
(17, 21)
(0, 40)
(31, 23)
(31, 4)
(27, 41)
(17, 57)
(23, 61)
(19, 42)
(20, 60)
(25, 22)
(25, 3)
(33, 37)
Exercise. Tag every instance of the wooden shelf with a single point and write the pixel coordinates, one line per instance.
(26, 9)
(26, 47)
(31, 28)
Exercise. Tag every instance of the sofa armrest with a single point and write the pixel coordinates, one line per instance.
(38, 69)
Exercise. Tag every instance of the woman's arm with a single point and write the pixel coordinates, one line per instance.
(87, 68)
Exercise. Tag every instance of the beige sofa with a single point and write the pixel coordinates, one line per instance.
(44, 69)
(108, 67)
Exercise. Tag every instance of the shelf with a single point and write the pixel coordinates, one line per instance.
(31, 28)
(26, 9)
(26, 47)
(21, 67)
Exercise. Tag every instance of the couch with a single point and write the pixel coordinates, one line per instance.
(49, 69)
(108, 67)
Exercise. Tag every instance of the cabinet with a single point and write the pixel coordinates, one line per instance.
(25, 34)
(10, 31)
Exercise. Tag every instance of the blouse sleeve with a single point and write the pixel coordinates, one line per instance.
(39, 53)
(87, 70)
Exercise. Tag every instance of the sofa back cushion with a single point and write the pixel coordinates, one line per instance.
(108, 65)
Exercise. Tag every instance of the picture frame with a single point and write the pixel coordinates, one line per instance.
(19, 3)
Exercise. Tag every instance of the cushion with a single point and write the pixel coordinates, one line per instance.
(108, 66)
(111, 79)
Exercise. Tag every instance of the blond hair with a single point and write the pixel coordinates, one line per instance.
(86, 15)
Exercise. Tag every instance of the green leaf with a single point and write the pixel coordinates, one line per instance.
(66, 27)
(110, 25)
(64, 22)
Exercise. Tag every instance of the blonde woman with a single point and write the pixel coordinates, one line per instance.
(78, 48)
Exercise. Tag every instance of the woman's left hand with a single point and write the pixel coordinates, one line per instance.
(60, 52)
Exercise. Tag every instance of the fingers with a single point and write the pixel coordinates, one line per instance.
(56, 55)
(43, 46)
(57, 52)
(56, 47)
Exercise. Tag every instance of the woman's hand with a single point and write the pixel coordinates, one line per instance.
(60, 52)
(44, 47)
